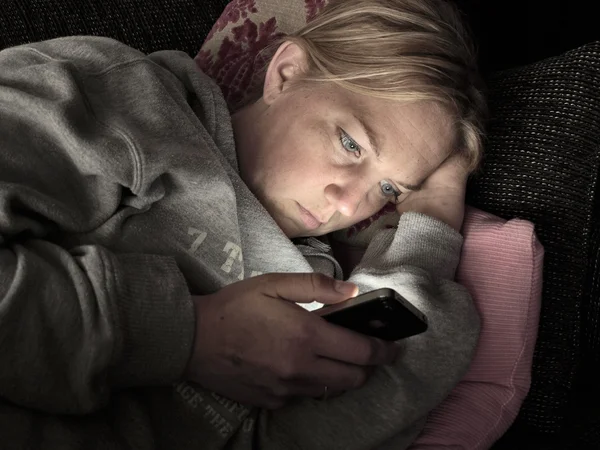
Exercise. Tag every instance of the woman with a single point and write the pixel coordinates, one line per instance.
(138, 219)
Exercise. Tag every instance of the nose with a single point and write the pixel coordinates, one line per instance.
(345, 199)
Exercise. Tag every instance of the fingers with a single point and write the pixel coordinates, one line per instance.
(316, 391)
(287, 391)
(337, 376)
(306, 287)
(329, 341)
(326, 378)
(338, 343)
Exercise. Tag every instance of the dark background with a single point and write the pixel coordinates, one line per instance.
(510, 33)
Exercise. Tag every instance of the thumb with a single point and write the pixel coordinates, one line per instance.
(308, 288)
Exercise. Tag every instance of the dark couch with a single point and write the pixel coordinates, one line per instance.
(542, 164)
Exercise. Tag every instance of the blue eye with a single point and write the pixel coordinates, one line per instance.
(388, 190)
(349, 144)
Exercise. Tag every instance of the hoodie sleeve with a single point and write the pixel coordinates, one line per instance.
(76, 322)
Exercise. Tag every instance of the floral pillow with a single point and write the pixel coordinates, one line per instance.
(233, 52)
(501, 262)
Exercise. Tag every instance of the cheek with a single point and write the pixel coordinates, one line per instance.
(371, 208)
(372, 204)
(302, 154)
(278, 148)
(286, 169)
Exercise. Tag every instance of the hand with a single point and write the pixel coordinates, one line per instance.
(254, 345)
(442, 195)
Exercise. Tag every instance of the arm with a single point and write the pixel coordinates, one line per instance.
(76, 322)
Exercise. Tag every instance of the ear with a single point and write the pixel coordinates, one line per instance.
(288, 63)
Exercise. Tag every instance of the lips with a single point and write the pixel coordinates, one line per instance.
(310, 221)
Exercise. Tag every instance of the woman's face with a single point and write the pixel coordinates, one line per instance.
(321, 158)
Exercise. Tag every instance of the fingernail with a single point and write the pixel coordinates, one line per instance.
(345, 287)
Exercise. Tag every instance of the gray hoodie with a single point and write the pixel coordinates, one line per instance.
(119, 197)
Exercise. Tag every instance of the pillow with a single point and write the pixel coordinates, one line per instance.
(501, 266)
(501, 262)
(231, 54)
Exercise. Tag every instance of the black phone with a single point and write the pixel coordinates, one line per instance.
(382, 313)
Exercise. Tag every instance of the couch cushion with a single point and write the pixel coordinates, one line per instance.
(542, 163)
(148, 25)
(501, 266)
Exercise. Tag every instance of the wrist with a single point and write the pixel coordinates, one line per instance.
(155, 320)
(188, 371)
(450, 216)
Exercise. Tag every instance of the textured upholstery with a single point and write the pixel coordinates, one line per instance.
(543, 157)
(147, 25)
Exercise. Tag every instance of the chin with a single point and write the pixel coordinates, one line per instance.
(301, 233)
(314, 233)
(289, 228)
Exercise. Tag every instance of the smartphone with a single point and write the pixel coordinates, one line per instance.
(382, 313)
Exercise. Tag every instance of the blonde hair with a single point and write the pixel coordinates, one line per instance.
(405, 50)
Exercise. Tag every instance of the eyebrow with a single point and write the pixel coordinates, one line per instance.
(371, 135)
(411, 187)
(374, 144)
